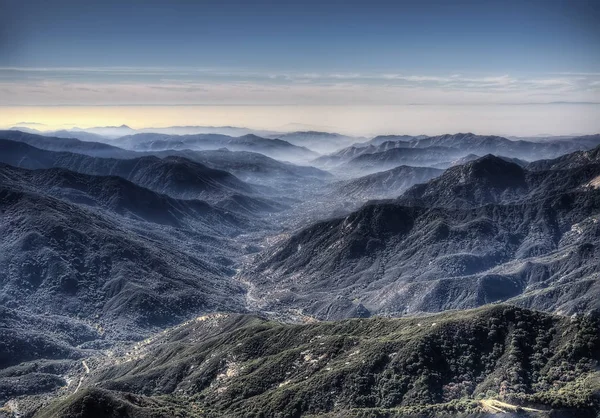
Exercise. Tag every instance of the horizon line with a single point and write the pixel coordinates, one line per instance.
(299, 104)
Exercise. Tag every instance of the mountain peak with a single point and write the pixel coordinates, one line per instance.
(490, 166)
(484, 180)
(251, 136)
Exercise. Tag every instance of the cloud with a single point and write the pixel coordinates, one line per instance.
(166, 85)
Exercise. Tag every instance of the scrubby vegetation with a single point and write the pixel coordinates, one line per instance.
(435, 365)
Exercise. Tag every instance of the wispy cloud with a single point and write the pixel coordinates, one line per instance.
(167, 85)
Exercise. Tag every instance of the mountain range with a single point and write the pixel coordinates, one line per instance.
(484, 232)
(385, 184)
(175, 176)
(386, 152)
(321, 142)
(73, 145)
(275, 148)
(176, 273)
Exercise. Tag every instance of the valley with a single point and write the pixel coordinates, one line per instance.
(192, 272)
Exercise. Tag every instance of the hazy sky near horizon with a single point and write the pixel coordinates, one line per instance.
(326, 53)
(506, 120)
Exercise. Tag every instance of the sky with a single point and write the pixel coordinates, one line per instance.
(302, 54)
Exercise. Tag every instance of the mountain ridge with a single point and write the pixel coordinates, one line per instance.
(444, 364)
(173, 175)
(448, 250)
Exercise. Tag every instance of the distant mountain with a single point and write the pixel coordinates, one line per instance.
(335, 159)
(64, 133)
(26, 129)
(124, 130)
(97, 149)
(386, 152)
(174, 176)
(576, 159)
(274, 148)
(81, 135)
(588, 141)
(108, 131)
(119, 196)
(492, 179)
(490, 144)
(346, 154)
(464, 140)
(392, 138)
(473, 157)
(250, 166)
(254, 167)
(385, 184)
(459, 140)
(394, 157)
(193, 130)
(88, 134)
(321, 142)
(451, 364)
